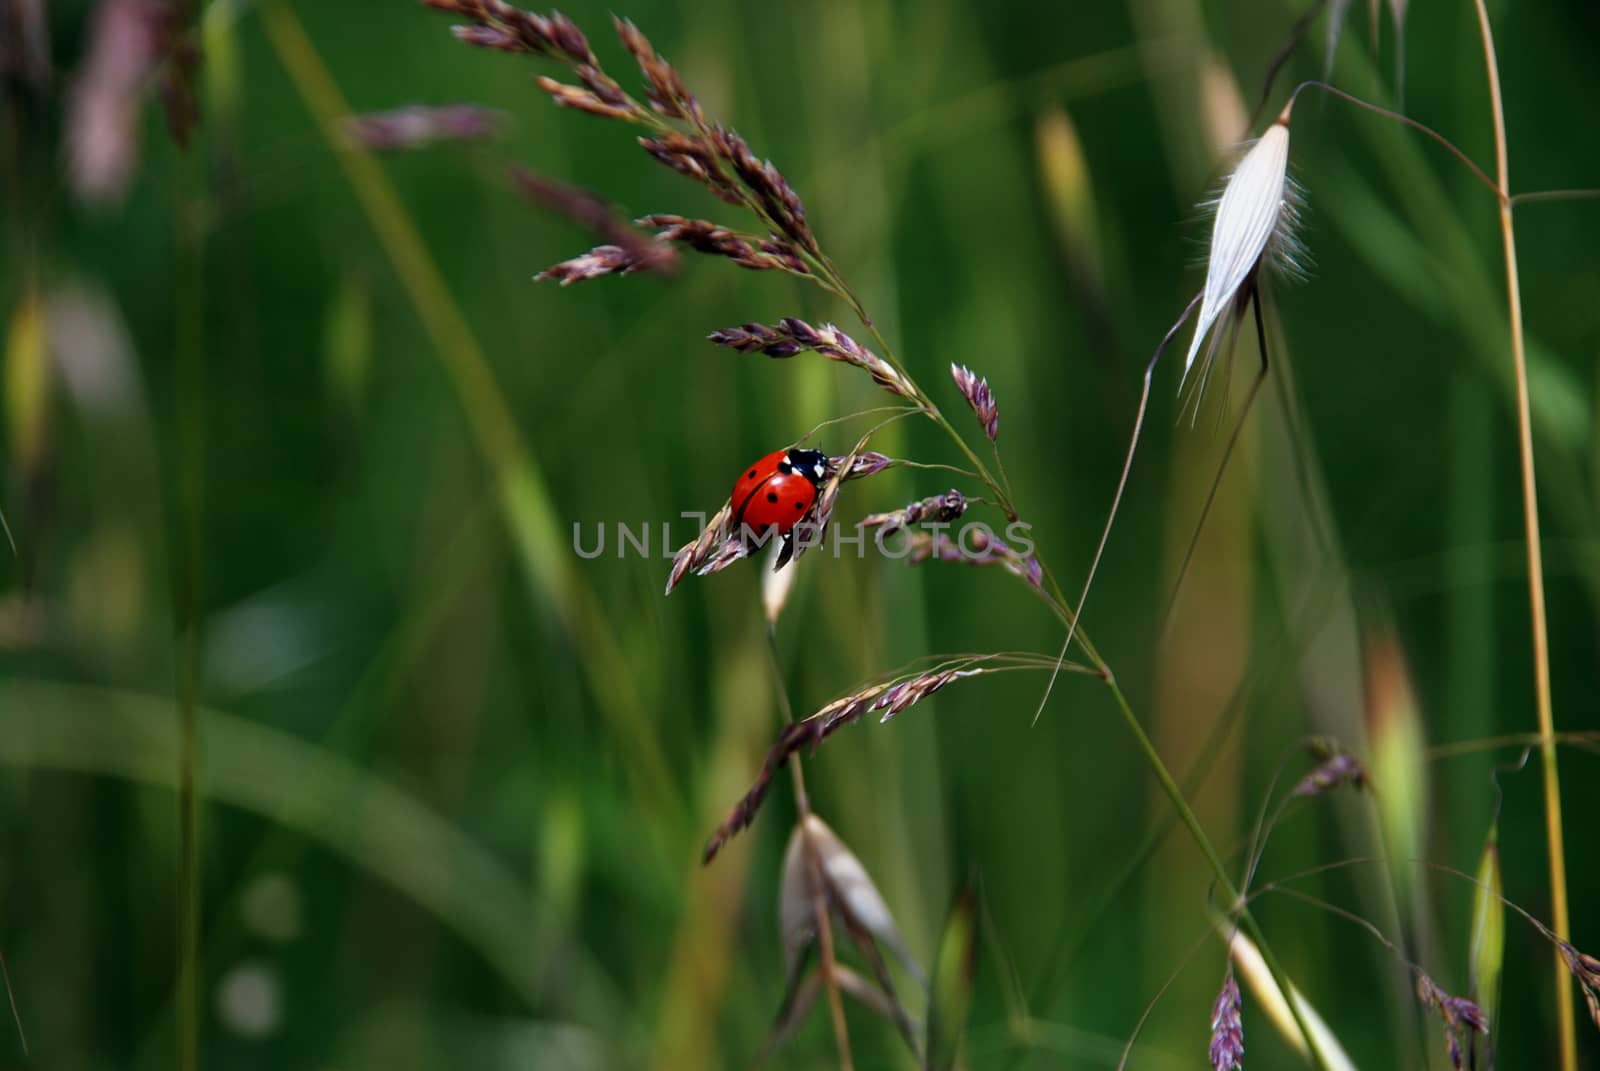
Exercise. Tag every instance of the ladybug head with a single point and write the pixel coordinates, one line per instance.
(812, 464)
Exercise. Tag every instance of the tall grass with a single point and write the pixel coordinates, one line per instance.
(429, 695)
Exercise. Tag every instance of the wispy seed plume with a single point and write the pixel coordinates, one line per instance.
(1254, 218)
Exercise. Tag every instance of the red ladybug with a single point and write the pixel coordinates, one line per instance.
(775, 493)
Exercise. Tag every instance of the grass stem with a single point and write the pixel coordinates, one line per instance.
(190, 406)
(802, 802)
(1559, 917)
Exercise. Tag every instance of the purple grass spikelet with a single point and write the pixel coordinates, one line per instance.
(1227, 1028)
(978, 395)
(1337, 770)
(1461, 1017)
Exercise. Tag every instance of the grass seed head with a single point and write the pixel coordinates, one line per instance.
(601, 260)
(1586, 969)
(420, 126)
(1254, 223)
(766, 183)
(1461, 1017)
(690, 158)
(935, 508)
(1336, 770)
(868, 464)
(888, 697)
(581, 99)
(978, 395)
(707, 552)
(976, 547)
(1227, 1028)
(666, 91)
(791, 336)
(627, 248)
(747, 251)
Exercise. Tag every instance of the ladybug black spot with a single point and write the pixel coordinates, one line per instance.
(799, 505)
(752, 472)
(772, 496)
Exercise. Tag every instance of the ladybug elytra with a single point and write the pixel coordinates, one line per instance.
(775, 493)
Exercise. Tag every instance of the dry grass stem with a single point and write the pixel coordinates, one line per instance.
(1554, 837)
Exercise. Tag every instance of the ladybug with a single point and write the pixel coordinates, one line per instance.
(775, 493)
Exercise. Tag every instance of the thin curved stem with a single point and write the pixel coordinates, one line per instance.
(1406, 120)
(1586, 740)
(1116, 499)
(1554, 195)
(1237, 906)
(1536, 602)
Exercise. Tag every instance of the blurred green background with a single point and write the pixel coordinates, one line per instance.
(455, 779)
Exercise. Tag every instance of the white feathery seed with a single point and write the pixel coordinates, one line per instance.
(1254, 216)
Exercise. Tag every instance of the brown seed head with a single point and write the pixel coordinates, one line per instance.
(581, 99)
(706, 237)
(792, 335)
(1461, 1017)
(868, 464)
(665, 91)
(714, 549)
(639, 251)
(771, 190)
(1586, 969)
(491, 37)
(690, 157)
(976, 547)
(936, 508)
(601, 260)
(887, 696)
